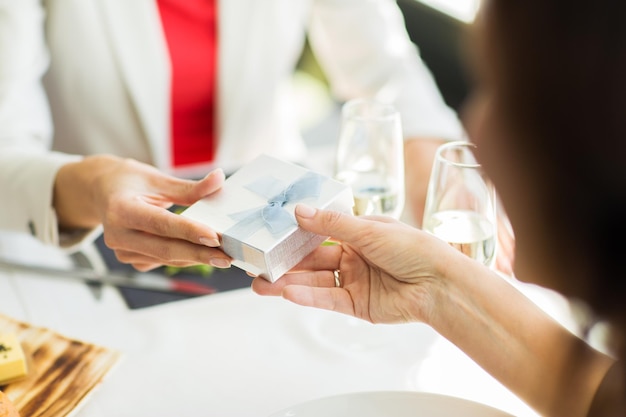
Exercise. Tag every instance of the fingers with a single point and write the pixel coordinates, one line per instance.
(136, 200)
(187, 192)
(145, 263)
(340, 226)
(312, 289)
(133, 199)
(157, 221)
(207, 186)
(145, 267)
(322, 258)
(146, 252)
(313, 279)
(333, 299)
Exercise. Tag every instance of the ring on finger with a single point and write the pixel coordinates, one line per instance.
(337, 275)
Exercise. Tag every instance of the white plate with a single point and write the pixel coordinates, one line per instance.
(390, 404)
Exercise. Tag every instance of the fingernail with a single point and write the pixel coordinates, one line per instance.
(305, 211)
(210, 242)
(220, 262)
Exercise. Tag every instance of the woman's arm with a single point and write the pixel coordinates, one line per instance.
(26, 165)
(394, 273)
(551, 369)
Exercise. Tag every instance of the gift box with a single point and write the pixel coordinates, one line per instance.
(254, 214)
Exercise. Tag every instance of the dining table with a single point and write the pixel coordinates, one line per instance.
(236, 353)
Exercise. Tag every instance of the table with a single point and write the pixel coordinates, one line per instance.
(239, 354)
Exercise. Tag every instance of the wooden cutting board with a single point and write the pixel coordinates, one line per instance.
(62, 371)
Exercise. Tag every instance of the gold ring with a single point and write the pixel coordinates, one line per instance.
(336, 274)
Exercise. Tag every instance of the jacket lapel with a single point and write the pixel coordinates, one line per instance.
(141, 52)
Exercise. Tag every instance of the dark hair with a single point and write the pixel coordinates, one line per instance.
(558, 71)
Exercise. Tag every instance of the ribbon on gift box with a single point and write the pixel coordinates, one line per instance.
(272, 215)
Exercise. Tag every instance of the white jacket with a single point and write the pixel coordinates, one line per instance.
(92, 76)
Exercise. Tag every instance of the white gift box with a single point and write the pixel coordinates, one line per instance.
(254, 214)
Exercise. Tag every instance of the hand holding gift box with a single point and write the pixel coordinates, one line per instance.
(253, 213)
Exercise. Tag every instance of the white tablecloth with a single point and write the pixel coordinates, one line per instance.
(239, 354)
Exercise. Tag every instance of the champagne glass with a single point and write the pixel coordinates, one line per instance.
(370, 157)
(461, 203)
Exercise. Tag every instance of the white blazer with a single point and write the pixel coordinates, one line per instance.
(81, 77)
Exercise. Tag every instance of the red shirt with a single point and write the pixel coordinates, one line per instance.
(190, 27)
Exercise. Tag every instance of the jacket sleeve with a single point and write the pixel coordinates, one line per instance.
(27, 166)
(365, 51)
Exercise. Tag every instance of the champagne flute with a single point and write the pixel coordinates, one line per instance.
(370, 157)
(461, 203)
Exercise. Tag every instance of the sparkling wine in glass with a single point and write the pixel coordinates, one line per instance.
(370, 157)
(461, 203)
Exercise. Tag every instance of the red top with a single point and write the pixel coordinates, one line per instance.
(190, 28)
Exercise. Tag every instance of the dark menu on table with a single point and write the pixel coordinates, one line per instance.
(218, 280)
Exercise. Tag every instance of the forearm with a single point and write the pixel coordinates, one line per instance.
(511, 338)
(73, 200)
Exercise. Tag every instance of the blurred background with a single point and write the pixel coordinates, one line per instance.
(437, 26)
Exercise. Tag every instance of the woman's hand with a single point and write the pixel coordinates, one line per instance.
(130, 200)
(391, 272)
(388, 270)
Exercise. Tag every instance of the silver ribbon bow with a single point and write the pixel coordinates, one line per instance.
(273, 215)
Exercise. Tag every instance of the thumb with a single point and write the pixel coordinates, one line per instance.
(339, 226)
(209, 184)
(187, 192)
